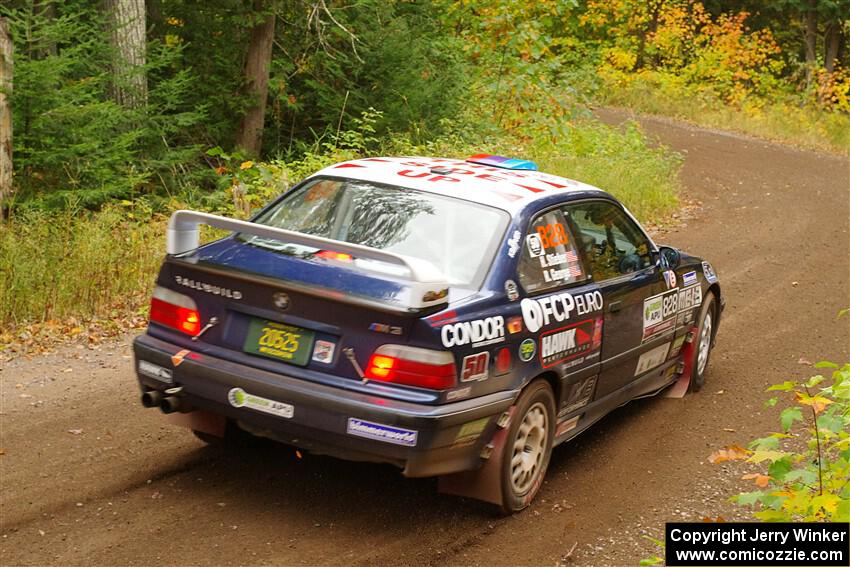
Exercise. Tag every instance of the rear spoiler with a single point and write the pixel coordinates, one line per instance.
(427, 284)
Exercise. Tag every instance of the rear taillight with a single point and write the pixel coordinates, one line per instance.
(175, 310)
(412, 366)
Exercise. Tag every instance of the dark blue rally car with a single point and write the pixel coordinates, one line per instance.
(452, 318)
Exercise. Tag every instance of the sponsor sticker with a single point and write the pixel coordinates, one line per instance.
(709, 273)
(239, 398)
(513, 243)
(323, 351)
(579, 395)
(670, 278)
(689, 279)
(527, 348)
(388, 329)
(475, 367)
(381, 432)
(652, 358)
(479, 332)
(177, 358)
(690, 297)
(566, 343)
(538, 313)
(534, 244)
(458, 394)
(515, 325)
(566, 426)
(659, 313)
(155, 371)
(472, 428)
(511, 290)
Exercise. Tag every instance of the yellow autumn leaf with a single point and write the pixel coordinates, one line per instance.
(730, 453)
(762, 480)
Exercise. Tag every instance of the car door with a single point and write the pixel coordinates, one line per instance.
(640, 312)
(562, 310)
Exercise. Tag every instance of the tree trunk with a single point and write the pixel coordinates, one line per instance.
(811, 19)
(831, 41)
(650, 28)
(5, 116)
(127, 37)
(249, 137)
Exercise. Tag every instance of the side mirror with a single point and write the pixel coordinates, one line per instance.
(669, 258)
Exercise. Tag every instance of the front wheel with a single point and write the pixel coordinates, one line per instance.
(528, 446)
(702, 351)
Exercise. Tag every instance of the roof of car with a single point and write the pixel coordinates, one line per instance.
(507, 189)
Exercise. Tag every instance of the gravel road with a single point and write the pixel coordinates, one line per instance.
(89, 477)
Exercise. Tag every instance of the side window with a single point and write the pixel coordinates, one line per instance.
(612, 243)
(549, 256)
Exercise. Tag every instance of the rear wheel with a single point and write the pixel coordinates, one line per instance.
(528, 446)
(702, 348)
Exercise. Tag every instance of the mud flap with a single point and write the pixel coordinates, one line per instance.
(200, 420)
(485, 483)
(680, 388)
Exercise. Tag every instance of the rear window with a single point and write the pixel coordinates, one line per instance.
(458, 237)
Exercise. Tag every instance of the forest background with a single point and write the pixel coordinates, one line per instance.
(113, 113)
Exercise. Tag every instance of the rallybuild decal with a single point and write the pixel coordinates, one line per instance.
(652, 358)
(479, 332)
(239, 398)
(381, 432)
(689, 279)
(538, 313)
(574, 342)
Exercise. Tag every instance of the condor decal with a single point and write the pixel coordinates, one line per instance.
(566, 343)
(478, 333)
(538, 313)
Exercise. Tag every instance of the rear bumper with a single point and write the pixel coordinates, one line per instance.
(321, 417)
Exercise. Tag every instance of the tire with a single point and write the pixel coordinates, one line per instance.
(702, 345)
(528, 446)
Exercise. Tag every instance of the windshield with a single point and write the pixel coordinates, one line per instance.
(456, 236)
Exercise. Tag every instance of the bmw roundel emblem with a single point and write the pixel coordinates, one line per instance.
(281, 301)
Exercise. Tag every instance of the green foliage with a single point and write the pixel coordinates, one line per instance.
(71, 264)
(808, 463)
(74, 146)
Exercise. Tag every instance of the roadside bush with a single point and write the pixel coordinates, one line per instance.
(805, 468)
